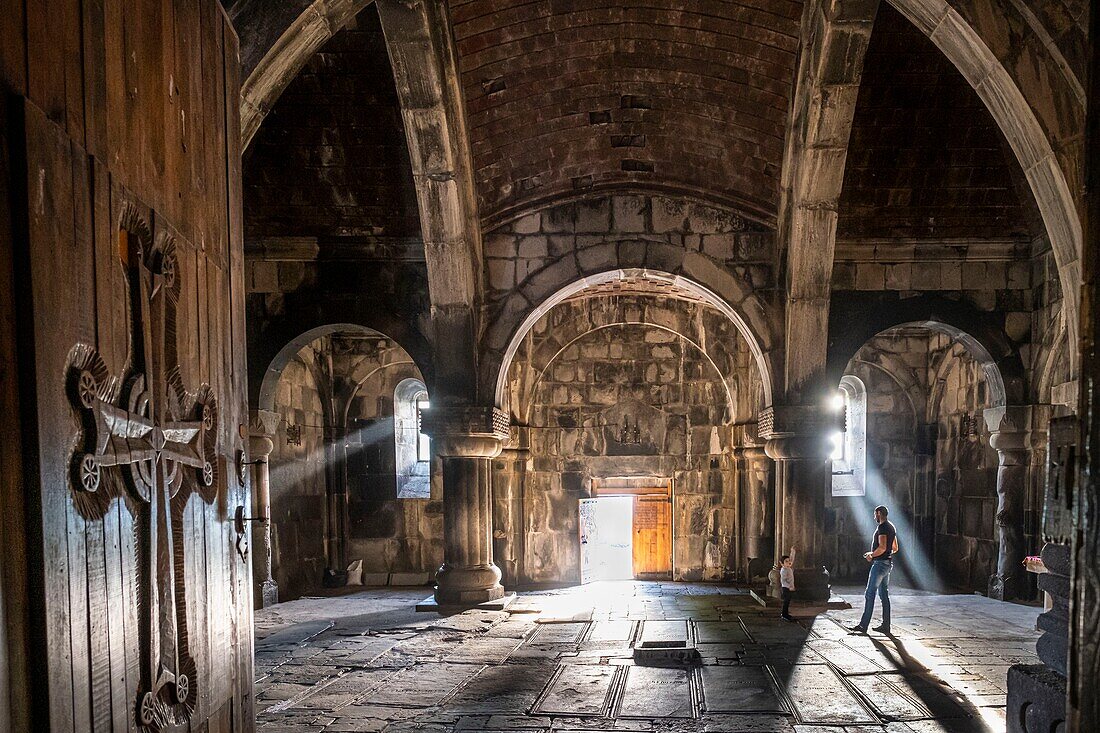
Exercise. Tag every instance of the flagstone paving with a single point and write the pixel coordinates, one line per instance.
(564, 660)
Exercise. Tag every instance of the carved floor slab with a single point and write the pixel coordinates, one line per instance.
(326, 670)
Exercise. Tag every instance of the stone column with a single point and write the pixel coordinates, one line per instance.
(797, 440)
(262, 425)
(758, 510)
(466, 438)
(1011, 434)
(509, 472)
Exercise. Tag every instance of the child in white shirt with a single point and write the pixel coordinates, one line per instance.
(786, 584)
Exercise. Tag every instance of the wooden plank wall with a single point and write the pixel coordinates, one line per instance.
(114, 104)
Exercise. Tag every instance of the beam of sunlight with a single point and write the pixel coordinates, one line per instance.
(913, 561)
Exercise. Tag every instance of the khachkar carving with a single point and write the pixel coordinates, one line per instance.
(147, 441)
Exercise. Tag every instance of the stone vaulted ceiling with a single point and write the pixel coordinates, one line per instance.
(567, 95)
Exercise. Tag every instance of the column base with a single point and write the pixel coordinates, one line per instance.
(468, 586)
(1003, 587)
(1036, 699)
(811, 584)
(268, 593)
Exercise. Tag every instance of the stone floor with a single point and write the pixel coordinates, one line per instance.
(563, 660)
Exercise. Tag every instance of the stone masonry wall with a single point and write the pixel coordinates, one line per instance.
(646, 369)
(928, 459)
(966, 469)
(297, 476)
(529, 259)
(356, 376)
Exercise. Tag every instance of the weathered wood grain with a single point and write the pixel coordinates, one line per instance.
(127, 109)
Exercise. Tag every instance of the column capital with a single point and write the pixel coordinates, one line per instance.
(466, 431)
(262, 425)
(787, 421)
(750, 453)
(1017, 427)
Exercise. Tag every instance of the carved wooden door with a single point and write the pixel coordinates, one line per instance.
(128, 277)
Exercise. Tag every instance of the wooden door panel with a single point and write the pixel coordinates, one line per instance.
(652, 537)
(134, 381)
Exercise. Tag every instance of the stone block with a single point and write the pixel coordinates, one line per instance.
(533, 246)
(559, 218)
(1036, 699)
(264, 277)
(502, 274)
(629, 213)
(899, 277)
(529, 224)
(870, 276)
(926, 276)
(951, 275)
(668, 215)
(593, 216)
(719, 246)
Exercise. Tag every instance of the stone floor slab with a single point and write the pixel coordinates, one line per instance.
(578, 690)
(820, 696)
(655, 692)
(738, 689)
(720, 632)
(510, 689)
(658, 634)
(423, 685)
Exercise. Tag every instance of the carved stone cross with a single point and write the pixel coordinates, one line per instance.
(154, 447)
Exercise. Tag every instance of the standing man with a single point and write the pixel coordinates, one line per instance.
(883, 546)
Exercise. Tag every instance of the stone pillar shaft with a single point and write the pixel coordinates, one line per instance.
(1013, 437)
(467, 438)
(797, 440)
(509, 473)
(261, 434)
(759, 510)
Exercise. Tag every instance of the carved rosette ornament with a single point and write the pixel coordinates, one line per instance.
(146, 440)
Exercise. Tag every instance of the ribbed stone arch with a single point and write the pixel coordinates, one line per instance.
(968, 51)
(756, 339)
(422, 55)
(656, 315)
(835, 39)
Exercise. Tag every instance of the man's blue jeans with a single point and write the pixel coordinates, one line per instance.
(878, 580)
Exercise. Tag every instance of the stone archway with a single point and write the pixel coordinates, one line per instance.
(751, 331)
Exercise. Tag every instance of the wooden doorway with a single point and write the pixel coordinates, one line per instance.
(652, 537)
(651, 521)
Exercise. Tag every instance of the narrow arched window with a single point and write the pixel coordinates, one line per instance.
(412, 447)
(850, 445)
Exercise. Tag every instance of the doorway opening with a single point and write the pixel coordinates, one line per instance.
(626, 530)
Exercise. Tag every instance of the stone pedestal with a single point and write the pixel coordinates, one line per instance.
(1037, 692)
(1013, 435)
(797, 440)
(509, 472)
(466, 438)
(262, 425)
(758, 510)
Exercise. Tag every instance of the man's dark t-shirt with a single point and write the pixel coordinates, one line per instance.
(887, 529)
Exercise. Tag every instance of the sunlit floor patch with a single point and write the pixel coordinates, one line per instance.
(566, 662)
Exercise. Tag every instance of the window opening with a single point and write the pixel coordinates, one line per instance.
(849, 455)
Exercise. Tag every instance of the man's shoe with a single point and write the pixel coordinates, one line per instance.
(882, 630)
(787, 618)
(857, 630)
